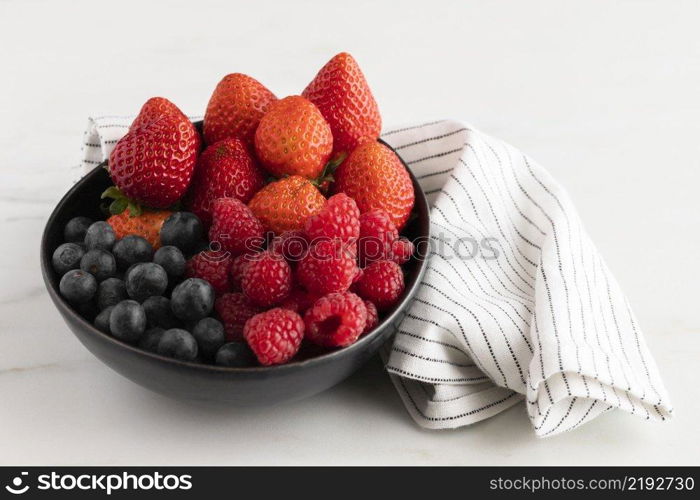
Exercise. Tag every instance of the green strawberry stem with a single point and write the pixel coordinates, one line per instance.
(329, 169)
(121, 202)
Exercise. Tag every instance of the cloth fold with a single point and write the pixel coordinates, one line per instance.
(516, 304)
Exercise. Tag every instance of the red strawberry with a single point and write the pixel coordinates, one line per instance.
(235, 108)
(213, 267)
(381, 283)
(328, 267)
(293, 139)
(153, 109)
(154, 162)
(235, 227)
(336, 320)
(267, 279)
(339, 219)
(147, 225)
(275, 335)
(342, 95)
(225, 169)
(234, 310)
(375, 178)
(284, 205)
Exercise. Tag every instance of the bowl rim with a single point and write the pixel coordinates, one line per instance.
(60, 302)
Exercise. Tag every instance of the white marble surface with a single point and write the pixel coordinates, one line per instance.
(593, 90)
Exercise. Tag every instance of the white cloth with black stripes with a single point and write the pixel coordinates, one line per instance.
(516, 303)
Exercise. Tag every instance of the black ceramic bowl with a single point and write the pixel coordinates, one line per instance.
(239, 386)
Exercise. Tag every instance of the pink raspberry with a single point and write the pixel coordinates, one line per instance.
(275, 335)
(381, 283)
(372, 317)
(336, 320)
(234, 309)
(339, 219)
(234, 227)
(238, 265)
(267, 279)
(292, 245)
(211, 266)
(379, 239)
(328, 267)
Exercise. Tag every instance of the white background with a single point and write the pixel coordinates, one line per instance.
(606, 95)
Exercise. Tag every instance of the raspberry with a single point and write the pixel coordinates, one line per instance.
(372, 317)
(234, 310)
(379, 239)
(292, 245)
(213, 267)
(235, 227)
(299, 300)
(238, 265)
(340, 219)
(381, 283)
(267, 279)
(275, 335)
(328, 267)
(336, 320)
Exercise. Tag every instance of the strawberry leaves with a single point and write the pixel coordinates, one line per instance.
(120, 202)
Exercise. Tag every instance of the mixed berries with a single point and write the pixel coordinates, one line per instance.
(278, 226)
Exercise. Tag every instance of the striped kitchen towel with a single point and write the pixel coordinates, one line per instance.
(516, 303)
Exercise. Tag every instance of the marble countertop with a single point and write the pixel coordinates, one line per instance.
(594, 90)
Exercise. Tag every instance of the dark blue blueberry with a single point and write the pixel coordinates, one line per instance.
(99, 263)
(172, 260)
(111, 292)
(159, 313)
(235, 354)
(179, 344)
(130, 250)
(127, 321)
(102, 319)
(146, 280)
(78, 286)
(100, 235)
(67, 257)
(209, 334)
(75, 230)
(183, 230)
(192, 299)
(151, 337)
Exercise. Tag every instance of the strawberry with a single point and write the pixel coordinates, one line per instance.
(294, 139)
(146, 223)
(376, 179)
(341, 93)
(154, 162)
(284, 205)
(225, 169)
(153, 109)
(235, 108)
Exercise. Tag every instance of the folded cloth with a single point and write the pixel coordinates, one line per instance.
(516, 302)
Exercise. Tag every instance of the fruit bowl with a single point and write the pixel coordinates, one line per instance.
(255, 386)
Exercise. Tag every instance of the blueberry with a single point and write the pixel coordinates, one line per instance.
(159, 313)
(235, 354)
(209, 334)
(111, 292)
(146, 280)
(192, 299)
(75, 230)
(179, 344)
(132, 249)
(183, 230)
(100, 235)
(172, 260)
(78, 286)
(102, 319)
(127, 321)
(67, 257)
(99, 263)
(149, 340)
